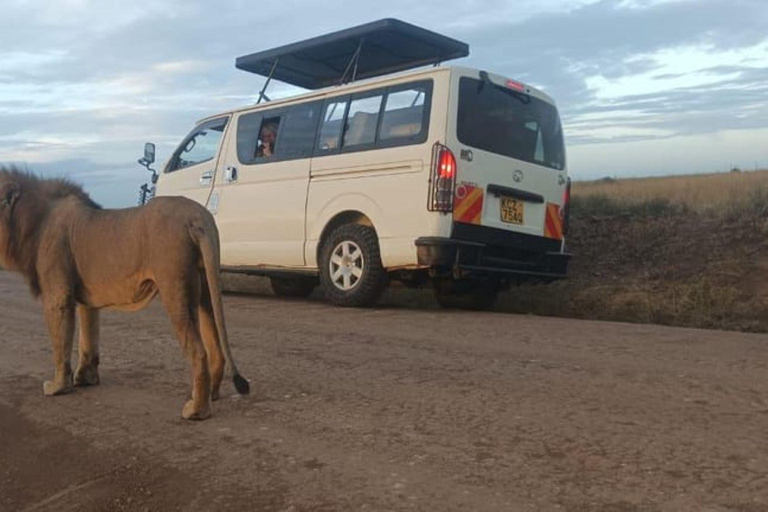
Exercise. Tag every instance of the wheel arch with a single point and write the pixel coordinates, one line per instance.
(340, 219)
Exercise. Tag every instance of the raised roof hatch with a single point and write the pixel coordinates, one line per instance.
(369, 50)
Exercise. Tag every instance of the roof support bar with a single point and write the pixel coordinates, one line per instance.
(262, 94)
(353, 62)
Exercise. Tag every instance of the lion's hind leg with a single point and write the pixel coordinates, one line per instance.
(87, 373)
(210, 339)
(181, 300)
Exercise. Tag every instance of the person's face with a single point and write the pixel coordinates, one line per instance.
(267, 136)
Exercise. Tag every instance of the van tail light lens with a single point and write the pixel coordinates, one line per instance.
(566, 206)
(442, 179)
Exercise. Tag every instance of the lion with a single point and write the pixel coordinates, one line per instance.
(78, 258)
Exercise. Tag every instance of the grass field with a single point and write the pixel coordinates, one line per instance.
(716, 194)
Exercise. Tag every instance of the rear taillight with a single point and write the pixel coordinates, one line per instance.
(566, 210)
(442, 179)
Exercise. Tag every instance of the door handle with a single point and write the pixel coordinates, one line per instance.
(206, 178)
(230, 174)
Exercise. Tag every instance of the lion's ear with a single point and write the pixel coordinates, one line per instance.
(9, 193)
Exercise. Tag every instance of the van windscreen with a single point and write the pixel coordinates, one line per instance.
(509, 123)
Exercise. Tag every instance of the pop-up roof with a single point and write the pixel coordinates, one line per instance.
(365, 51)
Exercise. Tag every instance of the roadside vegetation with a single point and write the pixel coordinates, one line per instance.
(679, 250)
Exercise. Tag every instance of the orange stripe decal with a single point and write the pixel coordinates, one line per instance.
(553, 224)
(468, 205)
(472, 213)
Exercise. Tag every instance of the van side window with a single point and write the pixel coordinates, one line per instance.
(403, 113)
(298, 136)
(330, 132)
(248, 126)
(362, 119)
(201, 145)
(257, 136)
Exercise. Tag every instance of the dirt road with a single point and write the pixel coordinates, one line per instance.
(390, 409)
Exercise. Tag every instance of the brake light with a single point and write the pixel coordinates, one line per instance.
(447, 165)
(442, 180)
(566, 210)
(512, 84)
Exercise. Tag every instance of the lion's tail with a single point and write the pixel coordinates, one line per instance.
(209, 248)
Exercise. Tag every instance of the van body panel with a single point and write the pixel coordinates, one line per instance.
(493, 173)
(393, 180)
(261, 213)
(187, 182)
(319, 216)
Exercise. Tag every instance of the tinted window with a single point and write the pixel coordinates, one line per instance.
(257, 136)
(248, 126)
(200, 145)
(362, 119)
(510, 123)
(403, 113)
(333, 115)
(298, 135)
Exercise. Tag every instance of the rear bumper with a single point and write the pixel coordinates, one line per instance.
(463, 258)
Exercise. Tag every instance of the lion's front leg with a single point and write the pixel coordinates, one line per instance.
(60, 318)
(87, 373)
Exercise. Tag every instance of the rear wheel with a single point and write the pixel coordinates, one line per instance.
(471, 295)
(351, 273)
(292, 286)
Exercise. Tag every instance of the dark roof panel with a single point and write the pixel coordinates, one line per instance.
(388, 45)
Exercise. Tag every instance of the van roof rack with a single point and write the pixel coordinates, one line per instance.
(373, 49)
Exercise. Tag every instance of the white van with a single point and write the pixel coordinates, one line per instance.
(442, 175)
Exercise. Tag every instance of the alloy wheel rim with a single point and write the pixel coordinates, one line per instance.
(346, 265)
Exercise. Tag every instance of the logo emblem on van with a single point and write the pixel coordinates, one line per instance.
(518, 175)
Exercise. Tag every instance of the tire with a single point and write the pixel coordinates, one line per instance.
(351, 273)
(471, 295)
(297, 287)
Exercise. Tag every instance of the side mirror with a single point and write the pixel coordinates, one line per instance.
(149, 152)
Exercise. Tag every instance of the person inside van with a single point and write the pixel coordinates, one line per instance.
(267, 139)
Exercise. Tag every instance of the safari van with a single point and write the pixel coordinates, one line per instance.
(392, 167)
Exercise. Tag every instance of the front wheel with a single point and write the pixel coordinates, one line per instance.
(351, 273)
(471, 295)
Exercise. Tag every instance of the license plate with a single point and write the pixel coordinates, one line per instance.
(512, 210)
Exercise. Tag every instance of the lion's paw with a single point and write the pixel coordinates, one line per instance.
(87, 376)
(190, 412)
(50, 388)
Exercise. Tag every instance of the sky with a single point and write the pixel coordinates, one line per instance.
(644, 87)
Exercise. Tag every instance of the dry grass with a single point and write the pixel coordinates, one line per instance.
(721, 194)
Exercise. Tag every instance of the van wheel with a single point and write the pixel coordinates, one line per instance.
(292, 286)
(351, 273)
(471, 295)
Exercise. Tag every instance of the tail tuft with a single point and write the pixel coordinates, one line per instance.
(241, 385)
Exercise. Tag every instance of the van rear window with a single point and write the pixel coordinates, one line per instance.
(509, 123)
